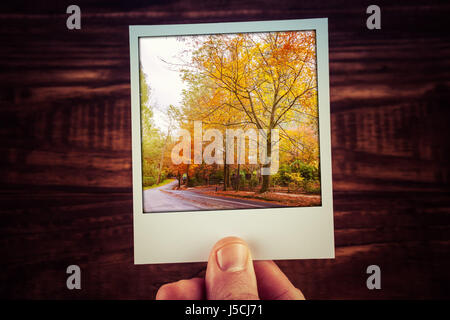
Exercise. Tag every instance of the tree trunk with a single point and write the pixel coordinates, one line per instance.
(266, 177)
(238, 176)
(187, 174)
(227, 178)
(224, 177)
(238, 172)
(179, 179)
(225, 170)
(265, 183)
(160, 167)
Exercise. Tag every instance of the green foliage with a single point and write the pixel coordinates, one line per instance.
(217, 175)
(193, 181)
(298, 175)
(282, 177)
(296, 178)
(163, 175)
(144, 88)
(253, 183)
(248, 180)
(307, 172)
(150, 171)
(146, 110)
(164, 182)
(148, 181)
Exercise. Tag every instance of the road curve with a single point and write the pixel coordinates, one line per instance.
(164, 199)
(156, 200)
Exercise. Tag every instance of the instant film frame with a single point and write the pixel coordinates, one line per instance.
(272, 233)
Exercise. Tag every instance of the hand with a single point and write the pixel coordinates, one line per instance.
(231, 274)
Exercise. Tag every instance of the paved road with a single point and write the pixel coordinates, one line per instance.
(164, 199)
(156, 200)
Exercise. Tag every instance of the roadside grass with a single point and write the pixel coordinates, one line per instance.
(159, 184)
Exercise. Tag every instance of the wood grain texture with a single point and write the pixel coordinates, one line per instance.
(65, 140)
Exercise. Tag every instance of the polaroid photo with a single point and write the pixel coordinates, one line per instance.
(231, 137)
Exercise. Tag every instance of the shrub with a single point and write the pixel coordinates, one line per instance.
(312, 187)
(297, 179)
(148, 181)
(308, 172)
(163, 176)
(282, 177)
(253, 183)
(192, 182)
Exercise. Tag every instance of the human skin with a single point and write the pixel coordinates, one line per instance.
(231, 274)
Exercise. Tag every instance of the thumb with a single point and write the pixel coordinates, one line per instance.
(230, 274)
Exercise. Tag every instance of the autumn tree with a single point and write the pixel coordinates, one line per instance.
(268, 80)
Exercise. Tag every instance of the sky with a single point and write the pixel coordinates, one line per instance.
(165, 82)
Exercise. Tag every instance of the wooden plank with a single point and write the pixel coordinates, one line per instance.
(65, 182)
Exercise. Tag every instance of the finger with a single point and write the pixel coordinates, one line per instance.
(230, 274)
(273, 283)
(192, 289)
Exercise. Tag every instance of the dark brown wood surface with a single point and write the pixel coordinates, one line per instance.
(65, 144)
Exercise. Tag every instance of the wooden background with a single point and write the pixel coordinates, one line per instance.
(65, 139)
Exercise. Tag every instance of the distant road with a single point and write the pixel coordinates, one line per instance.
(164, 199)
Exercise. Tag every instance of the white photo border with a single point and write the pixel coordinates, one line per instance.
(272, 233)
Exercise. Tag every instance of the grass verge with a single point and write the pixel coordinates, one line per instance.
(159, 184)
